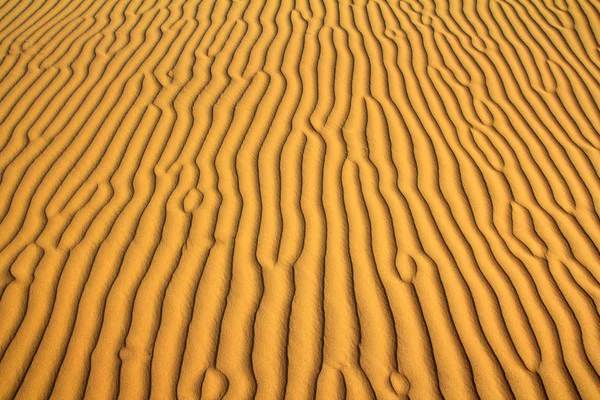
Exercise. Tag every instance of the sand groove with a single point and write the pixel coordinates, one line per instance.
(299, 199)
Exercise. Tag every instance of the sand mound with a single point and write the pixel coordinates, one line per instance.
(299, 199)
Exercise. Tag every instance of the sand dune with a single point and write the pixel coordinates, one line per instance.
(299, 199)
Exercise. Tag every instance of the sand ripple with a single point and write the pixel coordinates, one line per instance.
(302, 199)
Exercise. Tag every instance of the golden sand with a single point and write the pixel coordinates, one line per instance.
(301, 199)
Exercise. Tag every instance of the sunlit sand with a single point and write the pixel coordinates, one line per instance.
(277, 199)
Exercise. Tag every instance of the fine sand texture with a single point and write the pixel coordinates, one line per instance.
(299, 199)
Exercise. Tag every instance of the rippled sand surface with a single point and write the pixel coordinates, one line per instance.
(278, 199)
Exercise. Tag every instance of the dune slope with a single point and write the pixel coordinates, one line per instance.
(300, 199)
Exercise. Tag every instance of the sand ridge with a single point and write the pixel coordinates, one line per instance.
(301, 199)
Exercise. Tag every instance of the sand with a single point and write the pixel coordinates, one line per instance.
(301, 199)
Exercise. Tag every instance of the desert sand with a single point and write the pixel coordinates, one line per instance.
(277, 199)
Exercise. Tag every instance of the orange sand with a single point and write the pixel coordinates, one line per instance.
(299, 199)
